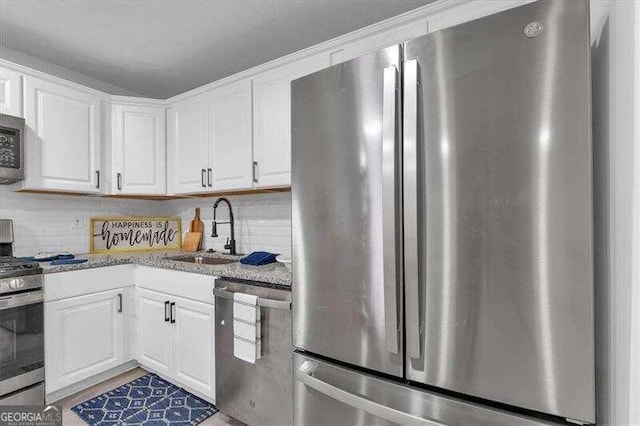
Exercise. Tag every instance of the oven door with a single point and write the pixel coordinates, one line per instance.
(21, 341)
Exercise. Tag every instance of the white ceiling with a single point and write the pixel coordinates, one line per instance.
(160, 48)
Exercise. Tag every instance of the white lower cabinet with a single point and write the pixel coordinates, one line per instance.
(100, 319)
(154, 331)
(176, 339)
(193, 339)
(84, 336)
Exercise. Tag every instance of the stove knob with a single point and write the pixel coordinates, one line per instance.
(16, 283)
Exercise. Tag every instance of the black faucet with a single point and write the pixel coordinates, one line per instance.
(231, 243)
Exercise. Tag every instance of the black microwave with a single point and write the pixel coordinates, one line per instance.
(11, 149)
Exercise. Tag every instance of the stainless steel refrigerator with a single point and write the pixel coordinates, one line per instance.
(442, 227)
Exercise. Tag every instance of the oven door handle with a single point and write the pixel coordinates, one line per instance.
(23, 299)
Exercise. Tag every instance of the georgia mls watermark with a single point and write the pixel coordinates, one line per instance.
(30, 415)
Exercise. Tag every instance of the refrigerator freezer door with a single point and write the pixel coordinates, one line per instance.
(347, 230)
(327, 394)
(501, 221)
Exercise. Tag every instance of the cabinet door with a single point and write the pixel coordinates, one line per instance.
(272, 120)
(230, 136)
(194, 345)
(84, 336)
(63, 137)
(138, 149)
(154, 340)
(188, 146)
(10, 92)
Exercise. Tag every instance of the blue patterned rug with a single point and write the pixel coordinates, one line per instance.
(148, 400)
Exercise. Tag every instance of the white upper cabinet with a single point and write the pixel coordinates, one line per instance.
(11, 92)
(138, 147)
(210, 141)
(188, 149)
(218, 138)
(62, 137)
(230, 137)
(272, 120)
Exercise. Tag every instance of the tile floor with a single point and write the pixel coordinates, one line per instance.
(69, 418)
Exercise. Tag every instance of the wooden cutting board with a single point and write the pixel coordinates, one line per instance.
(197, 226)
(192, 241)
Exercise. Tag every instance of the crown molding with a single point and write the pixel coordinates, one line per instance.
(406, 18)
(51, 78)
(134, 100)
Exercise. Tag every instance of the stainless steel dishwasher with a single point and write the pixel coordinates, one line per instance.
(260, 393)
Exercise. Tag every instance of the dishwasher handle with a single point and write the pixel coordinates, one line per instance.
(265, 303)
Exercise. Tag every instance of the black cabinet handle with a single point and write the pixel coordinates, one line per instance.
(119, 303)
(172, 308)
(119, 181)
(98, 179)
(203, 172)
(209, 172)
(166, 311)
(255, 172)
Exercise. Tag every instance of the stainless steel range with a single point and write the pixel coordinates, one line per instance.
(21, 326)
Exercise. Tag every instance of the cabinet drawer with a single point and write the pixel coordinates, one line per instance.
(183, 284)
(62, 285)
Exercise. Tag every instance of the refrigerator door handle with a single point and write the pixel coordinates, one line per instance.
(390, 214)
(359, 402)
(410, 198)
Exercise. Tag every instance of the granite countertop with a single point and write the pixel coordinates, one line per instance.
(274, 273)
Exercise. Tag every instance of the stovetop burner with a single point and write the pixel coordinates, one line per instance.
(16, 274)
(15, 267)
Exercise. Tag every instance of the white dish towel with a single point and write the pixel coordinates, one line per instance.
(246, 327)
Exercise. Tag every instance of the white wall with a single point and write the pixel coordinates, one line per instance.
(634, 400)
(612, 25)
(262, 221)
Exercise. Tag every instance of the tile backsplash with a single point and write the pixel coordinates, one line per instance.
(43, 222)
(61, 223)
(262, 221)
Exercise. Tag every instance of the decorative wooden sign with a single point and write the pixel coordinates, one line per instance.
(121, 234)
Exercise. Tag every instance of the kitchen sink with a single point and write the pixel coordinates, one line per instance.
(203, 260)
